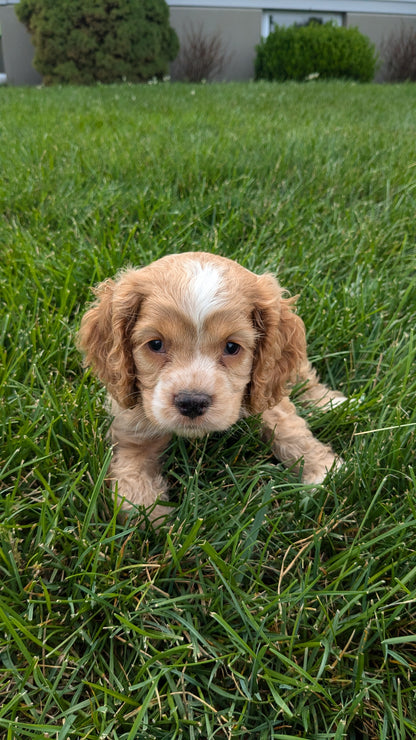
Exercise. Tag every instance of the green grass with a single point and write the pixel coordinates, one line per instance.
(265, 609)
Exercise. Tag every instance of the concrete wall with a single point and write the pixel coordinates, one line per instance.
(379, 27)
(17, 48)
(1, 54)
(238, 29)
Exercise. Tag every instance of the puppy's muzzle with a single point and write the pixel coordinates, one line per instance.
(192, 404)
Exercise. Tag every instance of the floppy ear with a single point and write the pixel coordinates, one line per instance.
(281, 345)
(105, 332)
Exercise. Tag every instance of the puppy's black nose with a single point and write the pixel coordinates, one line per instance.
(192, 404)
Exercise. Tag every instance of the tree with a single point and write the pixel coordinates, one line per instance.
(87, 41)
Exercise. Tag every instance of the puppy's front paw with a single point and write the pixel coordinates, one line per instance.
(315, 472)
(143, 491)
(160, 513)
(336, 400)
(330, 400)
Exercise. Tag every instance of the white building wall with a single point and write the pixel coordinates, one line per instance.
(242, 23)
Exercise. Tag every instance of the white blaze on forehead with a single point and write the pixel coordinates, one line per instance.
(202, 295)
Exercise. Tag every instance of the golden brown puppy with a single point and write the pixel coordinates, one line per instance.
(188, 345)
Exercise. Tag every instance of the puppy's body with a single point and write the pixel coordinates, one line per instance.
(188, 345)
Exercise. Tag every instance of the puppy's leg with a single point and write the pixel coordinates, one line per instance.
(314, 393)
(135, 471)
(294, 444)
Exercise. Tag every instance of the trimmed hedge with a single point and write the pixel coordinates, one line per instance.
(296, 52)
(87, 41)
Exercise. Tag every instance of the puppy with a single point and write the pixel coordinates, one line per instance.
(188, 345)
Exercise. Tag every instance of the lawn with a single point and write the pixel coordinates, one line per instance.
(263, 609)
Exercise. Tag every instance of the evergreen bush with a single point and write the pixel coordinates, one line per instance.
(87, 41)
(297, 52)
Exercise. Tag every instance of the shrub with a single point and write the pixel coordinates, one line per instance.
(399, 55)
(87, 41)
(296, 52)
(202, 56)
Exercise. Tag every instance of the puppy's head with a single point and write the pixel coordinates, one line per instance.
(195, 339)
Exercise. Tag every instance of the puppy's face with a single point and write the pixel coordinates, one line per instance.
(193, 347)
(195, 340)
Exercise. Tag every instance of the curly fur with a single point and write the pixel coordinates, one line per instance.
(188, 345)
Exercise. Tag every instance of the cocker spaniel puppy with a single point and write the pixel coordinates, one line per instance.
(188, 345)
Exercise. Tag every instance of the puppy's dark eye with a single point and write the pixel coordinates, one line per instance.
(156, 345)
(231, 348)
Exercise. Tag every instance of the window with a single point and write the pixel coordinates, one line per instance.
(298, 18)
